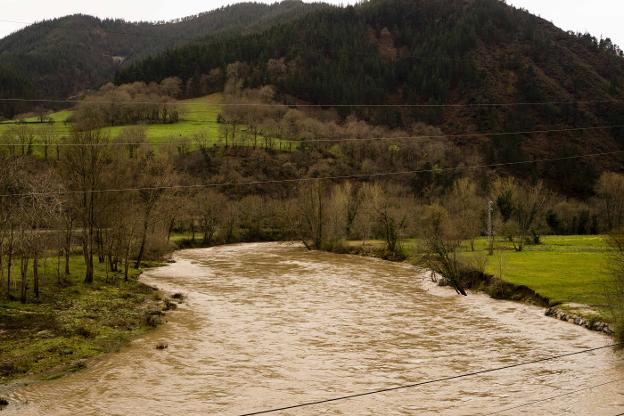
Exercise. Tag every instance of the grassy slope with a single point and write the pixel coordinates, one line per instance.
(198, 115)
(72, 321)
(563, 268)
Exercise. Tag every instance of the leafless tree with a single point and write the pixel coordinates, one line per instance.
(610, 191)
(84, 169)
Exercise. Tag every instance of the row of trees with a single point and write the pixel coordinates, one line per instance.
(48, 209)
(129, 104)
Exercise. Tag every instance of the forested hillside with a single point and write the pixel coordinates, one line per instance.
(61, 57)
(432, 52)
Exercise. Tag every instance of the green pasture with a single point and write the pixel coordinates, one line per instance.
(566, 269)
(71, 321)
(198, 115)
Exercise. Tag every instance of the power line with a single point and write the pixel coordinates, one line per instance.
(422, 383)
(314, 179)
(269, 105)
(531, 403)
(416, 138)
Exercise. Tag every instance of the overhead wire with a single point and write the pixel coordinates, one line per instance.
(328, 105)
(569, 393)
(413, 138)
(421, 383)
(313, 179)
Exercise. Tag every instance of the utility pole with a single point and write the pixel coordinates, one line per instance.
(490, 229)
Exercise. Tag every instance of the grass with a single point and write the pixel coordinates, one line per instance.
(72, 321)
(198, 115)
(565, 269)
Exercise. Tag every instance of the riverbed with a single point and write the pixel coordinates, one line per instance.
(271, 325)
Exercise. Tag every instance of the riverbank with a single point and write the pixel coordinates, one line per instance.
(73, 321)
(269, 324)
(567, 275)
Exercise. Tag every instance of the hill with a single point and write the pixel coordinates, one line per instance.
(460, 52)
(62, 57)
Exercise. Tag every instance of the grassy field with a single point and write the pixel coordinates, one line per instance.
(198, 115)
(566, 269)
(72, 321)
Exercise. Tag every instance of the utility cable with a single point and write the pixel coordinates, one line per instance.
(269, 105)
(422, 383)
(534, 402)
(415, 138)
(314, 179)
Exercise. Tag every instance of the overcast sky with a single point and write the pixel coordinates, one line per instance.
(599, 17)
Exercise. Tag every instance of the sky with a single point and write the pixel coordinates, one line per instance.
(601, 18)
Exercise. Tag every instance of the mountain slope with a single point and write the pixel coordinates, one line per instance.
(63, 56)
(460, 52)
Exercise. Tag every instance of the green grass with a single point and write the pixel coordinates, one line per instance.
(198, 115)
(73, 321)
(565, 269)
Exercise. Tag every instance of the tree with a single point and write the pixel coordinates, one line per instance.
(312, 214)
(610, 191)
(154, 175)
(209, 206)
(441, 242)
(616, 293)
(84, 170)
(467, 208)
(522, 208)
(391, 215)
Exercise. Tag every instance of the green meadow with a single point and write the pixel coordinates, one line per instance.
(566, 269)
(198, 115)
(71, 321)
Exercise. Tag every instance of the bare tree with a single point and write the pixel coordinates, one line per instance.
(209, 206)
(312, 214)
(84, 169)
(392, 215)
(467, 208)
(521, 207)
(155, 176)
(615, 293)
(610, 191)
(441, 243)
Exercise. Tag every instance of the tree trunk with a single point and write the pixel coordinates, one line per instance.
(36, 275)
(139, 259)
(24, 283)
(99, 239)
(9, 267)
(88, 241)
(170, 229)
(67, 248)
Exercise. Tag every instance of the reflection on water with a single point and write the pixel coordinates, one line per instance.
(269, 325)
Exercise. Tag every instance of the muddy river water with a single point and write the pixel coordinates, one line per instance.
(271, 325)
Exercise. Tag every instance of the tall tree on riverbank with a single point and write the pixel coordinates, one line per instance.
(616, 294)
(84, 168)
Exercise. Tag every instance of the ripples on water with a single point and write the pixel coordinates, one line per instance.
(268, 325)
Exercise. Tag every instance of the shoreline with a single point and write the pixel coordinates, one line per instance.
(155, 304)
(577, 314)
(81, 325)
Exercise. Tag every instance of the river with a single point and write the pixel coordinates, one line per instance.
(271, 325)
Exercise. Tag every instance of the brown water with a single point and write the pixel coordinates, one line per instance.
(269, 325)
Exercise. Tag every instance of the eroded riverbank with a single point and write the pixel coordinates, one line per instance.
(266, 325)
